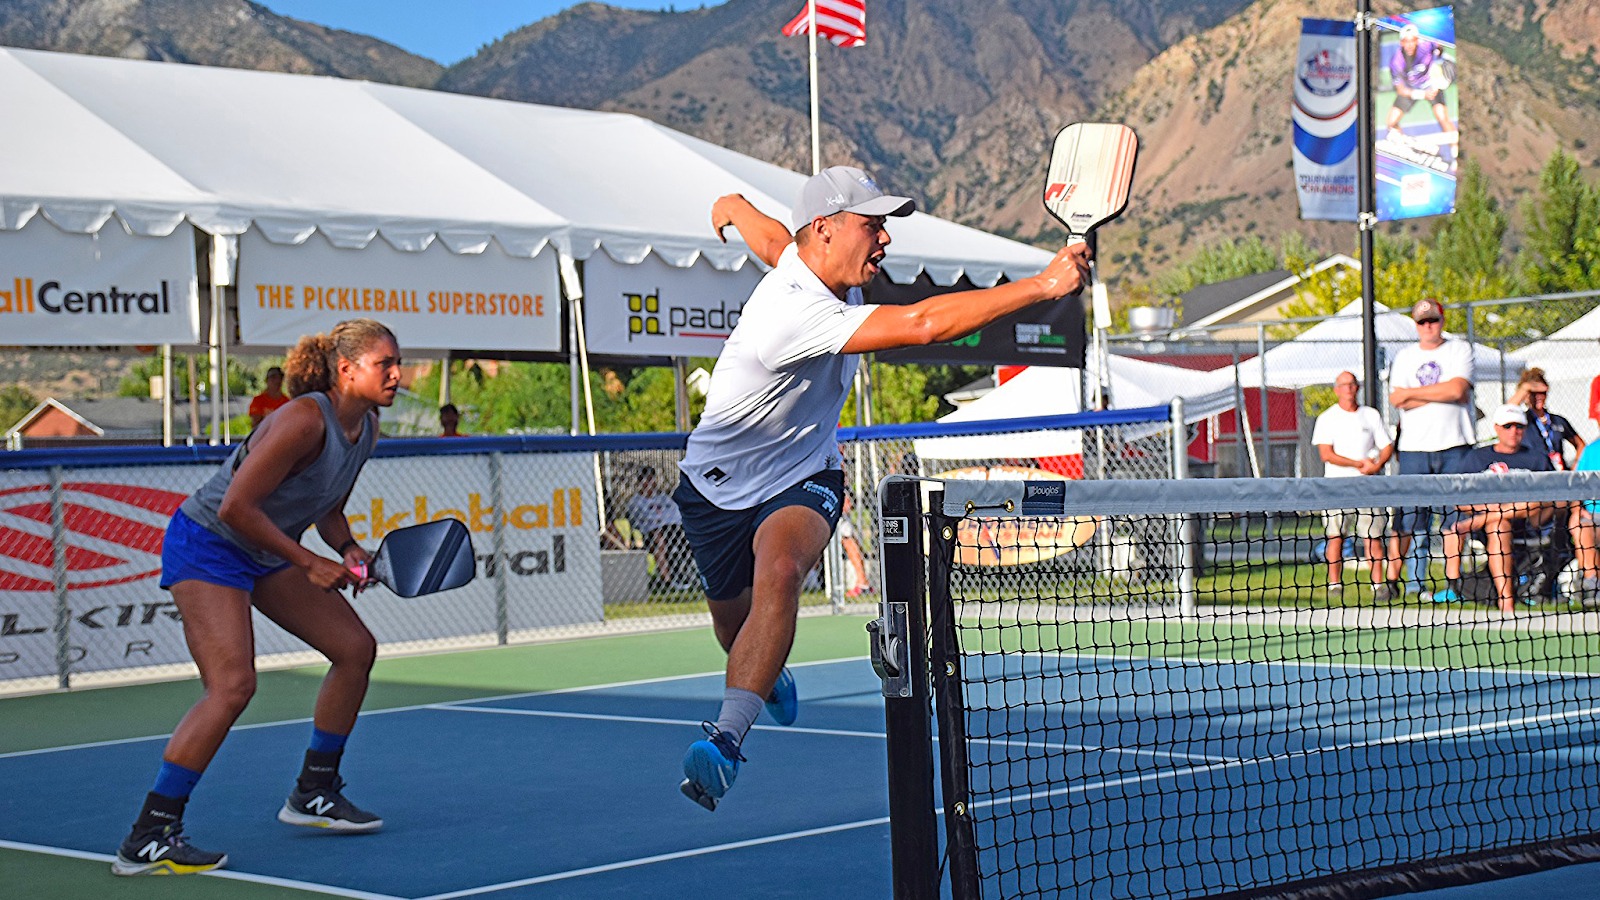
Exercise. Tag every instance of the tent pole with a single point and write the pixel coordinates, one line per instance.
(224, 251)
(680, 392)
(444, 380)
(816, 117)
(166, 395)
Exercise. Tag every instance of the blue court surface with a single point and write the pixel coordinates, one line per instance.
(564, 794)
(574, 793)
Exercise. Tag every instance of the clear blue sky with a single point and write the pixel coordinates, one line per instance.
(446, 31)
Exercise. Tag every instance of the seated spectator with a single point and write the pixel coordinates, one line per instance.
(652, 514)
(1586, 533)
(1546, 431)
(856, 581)
(1353, 441)
(1498, 522)
(262, 404)
(449, 419)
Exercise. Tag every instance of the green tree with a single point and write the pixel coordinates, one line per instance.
(899, 394)
(1220, 261)
(245, 379)
(15, 402)
(1468, 244)
(1562, 252)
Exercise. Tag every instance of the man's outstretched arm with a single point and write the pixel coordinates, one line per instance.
(949, 316)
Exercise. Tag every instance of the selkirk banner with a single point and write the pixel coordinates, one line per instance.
(1325, 120)
(1415, 114)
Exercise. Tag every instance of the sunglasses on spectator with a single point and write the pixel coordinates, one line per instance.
(1514, 425)
(1429, 321)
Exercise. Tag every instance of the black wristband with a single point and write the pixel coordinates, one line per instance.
(345, 547)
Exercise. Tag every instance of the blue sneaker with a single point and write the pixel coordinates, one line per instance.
(783, 704)
(710, 766)
(1448, 595)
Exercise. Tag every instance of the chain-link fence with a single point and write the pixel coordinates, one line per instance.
(1281, 372)
(573, 537)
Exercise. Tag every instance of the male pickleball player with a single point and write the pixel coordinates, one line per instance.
(762, 483)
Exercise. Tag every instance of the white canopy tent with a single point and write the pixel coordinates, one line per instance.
(1570, 362)
(294, 155)
(153, 145)
(1046, 391)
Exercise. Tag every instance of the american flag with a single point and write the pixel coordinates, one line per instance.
(843, 22)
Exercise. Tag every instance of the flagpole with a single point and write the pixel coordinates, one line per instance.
(816, 119)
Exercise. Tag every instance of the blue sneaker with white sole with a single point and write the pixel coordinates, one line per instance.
(710, 766)
(783, 704)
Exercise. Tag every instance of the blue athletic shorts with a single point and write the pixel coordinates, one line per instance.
(722, 540)
(191, 552)
(1414, 519)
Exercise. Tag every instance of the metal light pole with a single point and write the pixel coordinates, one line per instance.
(1367, 216)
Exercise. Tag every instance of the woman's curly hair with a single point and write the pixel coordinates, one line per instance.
(314, 361)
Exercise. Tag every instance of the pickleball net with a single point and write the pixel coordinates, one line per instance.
(1148, 689)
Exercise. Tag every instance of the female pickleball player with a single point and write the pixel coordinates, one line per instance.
(234, 544)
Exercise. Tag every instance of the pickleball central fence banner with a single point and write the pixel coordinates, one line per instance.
(531, 516)
(432, 299)
(1326, 148)
(104, 289)
(1415, 111)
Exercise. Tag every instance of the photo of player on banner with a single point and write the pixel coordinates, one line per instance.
(1416, 115)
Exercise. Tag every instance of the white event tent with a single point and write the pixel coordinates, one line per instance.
(500, 208)
(1047, 391)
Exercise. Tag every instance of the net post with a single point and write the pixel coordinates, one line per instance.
(949, 697)
(1188, 559)
(900, 654)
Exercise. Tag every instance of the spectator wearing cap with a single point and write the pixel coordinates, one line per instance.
(762, 483)
(1497, 521)
(1546, 430)
(1430, 384)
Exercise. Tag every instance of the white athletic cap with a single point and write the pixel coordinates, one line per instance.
(1510, 414)
(1410, 31)
(846, 189)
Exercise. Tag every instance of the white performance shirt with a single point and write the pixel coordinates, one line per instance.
(1354, 434)
(772, 411)
(1433, 426)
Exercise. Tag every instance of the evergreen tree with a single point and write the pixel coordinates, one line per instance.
(1467, 244)
(1563, 225)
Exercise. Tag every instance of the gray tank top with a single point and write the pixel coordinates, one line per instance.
(302, 498)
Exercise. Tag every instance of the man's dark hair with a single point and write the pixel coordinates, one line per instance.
(449, 408)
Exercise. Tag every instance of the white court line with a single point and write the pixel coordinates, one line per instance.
(830, 732)
(215, 873)
(660, 858)
(89, 745)
(1464, 731)
(1181, 661)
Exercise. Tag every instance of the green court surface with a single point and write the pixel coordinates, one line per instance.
(109, 714)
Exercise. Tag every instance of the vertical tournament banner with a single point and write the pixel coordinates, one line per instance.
(1415, 114)
(1325, 120)
(433, 299)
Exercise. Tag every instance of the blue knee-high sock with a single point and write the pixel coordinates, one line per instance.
(326, 741)
(175, 781)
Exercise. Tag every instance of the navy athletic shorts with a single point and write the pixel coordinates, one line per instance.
(190, 551)
(722, 540)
